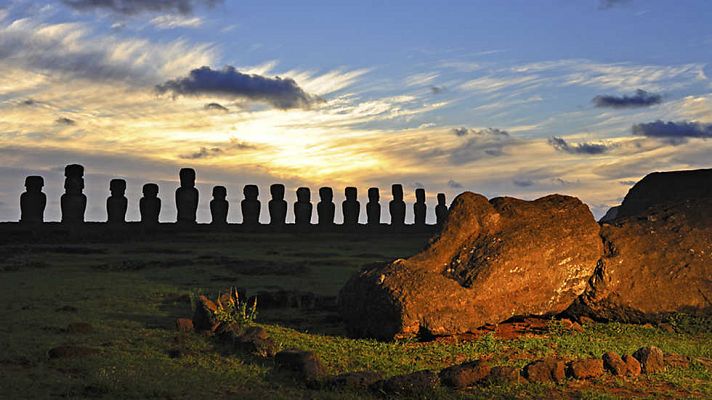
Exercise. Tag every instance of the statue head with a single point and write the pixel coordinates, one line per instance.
(219, 192)
(117, 187)
(303, 195)
(187, 177)
(251, 192)
(326, 194)
(34, 183)
(397, 191)
(441, 199)
(351, 193)
(277, 191)
(373, 195)
(74, 171)
(150, 190)
(420, 195)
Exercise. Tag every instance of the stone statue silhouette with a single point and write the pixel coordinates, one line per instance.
(73, 201)
(219, 206)
(373, 207)
(33, 201)
(277, 206)
(303, 208)
(419, 208)
(150, 204)
(351, 208)
(441, 210)
(326, 207)
(397, 206)
(250, 206)
(117, 203)
(187, 196)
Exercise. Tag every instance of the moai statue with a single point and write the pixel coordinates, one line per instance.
(187, 196)
(373, 207)
(150, 204)
(117, 203)
(277, 206)
(303, 208)
(250, 206)
(441, 210)
(419, 208)
(33, 201)
(397, 206)
(326, 207)
(219, 206)
(351, 208)
(73, 201)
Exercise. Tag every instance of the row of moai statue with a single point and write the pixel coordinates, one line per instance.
(73, 203)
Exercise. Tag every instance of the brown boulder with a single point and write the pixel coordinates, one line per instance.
(586, 368)
(464, 375)
(654, 265)
(353, 380)
(504, 375)
(651, 359)
(546, 370)
(256, 341)
(632, 366)
(414, 384)
(614, 363)
(492, 260)
(184, 325)
(666, 187)
(203, 316)
(305, 363)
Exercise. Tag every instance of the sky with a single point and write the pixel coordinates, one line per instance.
(504, 98)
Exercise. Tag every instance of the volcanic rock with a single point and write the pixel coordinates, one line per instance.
(651, 359)
(546, 370)
(413, 384)
(256, 341)
(614, 363)
(493, 260)
(632, 366)
(203, 316)
(586, 368)
(504, 375)
(464, 375)
(353, 380)
(305, 363)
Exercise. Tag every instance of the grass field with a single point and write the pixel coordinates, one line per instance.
(132, 292)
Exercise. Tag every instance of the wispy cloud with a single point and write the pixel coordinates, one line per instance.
(587, 148)
(176, 21)
(132, 7)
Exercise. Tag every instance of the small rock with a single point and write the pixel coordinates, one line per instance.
(305, 363)
(546, 370)
(651, 359)
(676, 360)
(585, 320)
(586, 368)
(70, 351)
(79, 328)
(614, 363)
(256, 341)
(203, 316)
(504, 375)
(416, 383)
(184, 325)
(632, 366)
(666, 327)
(571, 325)
(465, 374)
(354, 380)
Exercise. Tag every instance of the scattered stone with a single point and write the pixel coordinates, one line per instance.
(651, 359)
(184, 325)
(256, 341)
(614, 363)
(504, 375)
(354, 380)
(676, 360)
(305, 363)
(586, 368)
(413, 384)
(71, 351)
(546, 370)
(571, 325)
(203, 316)
(465, 374)
(632, 365)
(79, 328)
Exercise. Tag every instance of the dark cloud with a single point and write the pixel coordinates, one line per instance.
(281, 93)
(209, 152)
(216, 107)
(64, 121)
(641, 98)
(581, 148)
(454, 184)
(133, 7)
(606, 4)
(29, 102)
(437, 89)
(479, 144)
(463, 131)
(673, 132)
(523, 182)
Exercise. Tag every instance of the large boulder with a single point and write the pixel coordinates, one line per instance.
(654, 264)
(665, 187)
(493, 260)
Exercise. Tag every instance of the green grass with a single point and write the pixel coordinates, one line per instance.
(131, 294)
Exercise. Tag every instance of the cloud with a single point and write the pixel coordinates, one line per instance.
(480, 144)
(606, 4)
(133, 7)
(581, 148)
(65, 121)
(176, 21)
(437, 89)
(204, 152)
(673, 132)
(454, 184)
(463, 131)
(523, 182)
(641, 98)
(216, 107)
(281, 93)
(214, 151)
